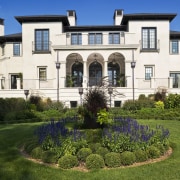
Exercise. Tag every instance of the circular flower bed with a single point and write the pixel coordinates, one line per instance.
(122, 144)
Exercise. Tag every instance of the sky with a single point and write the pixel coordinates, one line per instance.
(89, 12)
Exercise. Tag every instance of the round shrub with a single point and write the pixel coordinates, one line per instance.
(102, 151)
(141, 155)
(49, 157)
(127, 158)
(161, 148)
(153, 152)
(113, 159)
(37, 153)
(68, 161)
(94, 161)
(94, 146)
(83, 153)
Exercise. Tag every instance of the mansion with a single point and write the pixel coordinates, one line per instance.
(55, 58)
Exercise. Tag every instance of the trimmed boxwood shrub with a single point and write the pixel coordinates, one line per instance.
(102, 151)
(68, 161)
(141, 155)
(49, 157)
(94, 161)
(113, 159)
(83, 153)
(127, 158)
(153, 152)
(37, 153)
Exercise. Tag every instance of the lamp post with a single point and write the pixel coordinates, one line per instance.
(80, 89)
(26, 92)
(58, 64)
(133, 64)
(110, 91)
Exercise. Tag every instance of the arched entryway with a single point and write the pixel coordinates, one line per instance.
(116, 70)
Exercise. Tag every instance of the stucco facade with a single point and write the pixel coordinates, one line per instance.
(88, 54)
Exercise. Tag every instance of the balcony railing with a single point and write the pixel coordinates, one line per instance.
(155, 49)
(41, 47)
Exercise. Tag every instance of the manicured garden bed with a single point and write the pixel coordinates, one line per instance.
(14, 165)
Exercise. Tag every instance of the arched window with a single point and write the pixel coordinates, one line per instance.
(95, 74)
(77, 74)
(114, 74)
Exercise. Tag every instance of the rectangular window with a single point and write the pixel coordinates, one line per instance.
(176, 79)
(42, 74)
(148, 73)
(149, 38)
(114, 38)
(95, 38)
(174, 47)
(42, 40)
(76, 39)
(16, 49)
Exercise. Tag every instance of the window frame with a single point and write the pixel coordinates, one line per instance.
(175, 78)
(78, 40)
(113, 39)
(148, 42)
(41, 42)
(42, 70)
(16, 49)
(150, 74)
(95, 38)
(176, 47)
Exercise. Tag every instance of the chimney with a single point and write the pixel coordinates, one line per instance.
(1, 27)
(118, 15)
(72, 17)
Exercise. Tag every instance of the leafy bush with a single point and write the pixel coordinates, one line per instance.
(113, 159)
(94, 146)
(102, 151)
(153, 152)
(83, 153)
(49, 157)
(159, 104)
(68, 161)
(94, 161)
(141, 155)
(172, 101)
(104, 117)
(37, 153)
(127, 158)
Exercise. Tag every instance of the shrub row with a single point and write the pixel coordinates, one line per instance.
(99, 159)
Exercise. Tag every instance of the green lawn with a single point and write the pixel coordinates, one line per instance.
(14, 166)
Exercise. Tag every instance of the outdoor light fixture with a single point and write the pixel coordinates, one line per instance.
(80, 93)
(133, 64)
(26, 92)
(110, 91)
(58, 64)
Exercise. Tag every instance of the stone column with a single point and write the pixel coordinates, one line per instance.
(85, 79)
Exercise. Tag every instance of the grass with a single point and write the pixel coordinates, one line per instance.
(14, 166)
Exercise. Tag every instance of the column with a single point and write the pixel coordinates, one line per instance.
(18, 80)
(170, 82)
(85, 79)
